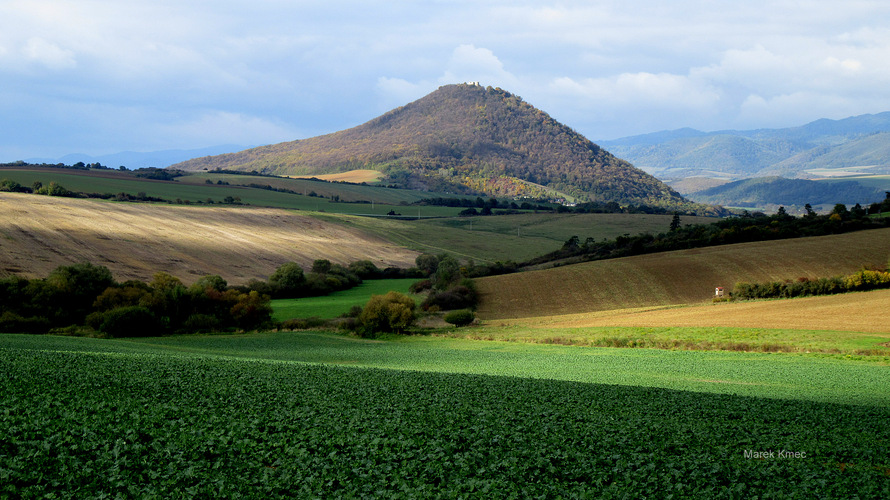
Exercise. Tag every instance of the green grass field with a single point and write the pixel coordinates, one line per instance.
(337, 303)
(345, 191)
(279, 415)
(196, 190)
(509, 237)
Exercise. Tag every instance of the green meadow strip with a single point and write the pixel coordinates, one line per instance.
(337, 303)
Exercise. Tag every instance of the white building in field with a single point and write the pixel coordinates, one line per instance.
(718, 292)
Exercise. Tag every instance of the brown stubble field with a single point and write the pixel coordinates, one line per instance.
(39, 233)
(851, 312)
(675, 278)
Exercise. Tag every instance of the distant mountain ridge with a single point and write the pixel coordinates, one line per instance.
(135, 159)
(462, 138)
(773, 191)
(859, 141)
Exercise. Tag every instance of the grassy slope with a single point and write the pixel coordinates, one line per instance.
(194, 188)
(681, 277)
(39, 233)
(346, 192)
(337, 303)
(509, 237)
(849, 324)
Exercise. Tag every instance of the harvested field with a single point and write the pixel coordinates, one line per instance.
(850, 312)
(356, 176)
(672, 278)
(39, 233)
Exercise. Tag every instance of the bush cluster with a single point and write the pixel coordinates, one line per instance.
(393, 313)
(865, 279)
(448, 284)
(85, 295)
(461, 317)
(290, 281)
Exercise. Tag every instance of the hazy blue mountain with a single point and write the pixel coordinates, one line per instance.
(134, 160)
(859, 141)
(770, 191)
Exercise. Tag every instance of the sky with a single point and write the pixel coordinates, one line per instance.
(105, 76)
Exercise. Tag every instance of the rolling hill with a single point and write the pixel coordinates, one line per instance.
(859, 141)
(680, 277)
(462, 138)
(40, 233)
(764, 191)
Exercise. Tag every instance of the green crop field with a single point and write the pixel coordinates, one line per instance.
(112, 182)
(345, 191)
(271, 415)
(337, 303)
(509, 237)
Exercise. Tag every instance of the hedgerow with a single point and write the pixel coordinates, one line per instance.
(865, 279)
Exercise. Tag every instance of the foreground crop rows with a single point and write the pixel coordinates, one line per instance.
(107, 421)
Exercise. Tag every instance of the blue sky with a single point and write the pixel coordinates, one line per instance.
(98, 77)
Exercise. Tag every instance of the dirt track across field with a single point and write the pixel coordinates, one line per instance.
(40, 233)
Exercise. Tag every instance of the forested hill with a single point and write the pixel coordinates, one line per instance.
(462, 137)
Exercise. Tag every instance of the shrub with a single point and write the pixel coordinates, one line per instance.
(420, 286)
(288, 280)
(303, 323)
(867, 280)
(131, 321)
(393, 312)
(365, 269)
(201, 323)
(252, 310)
(461, 296)
(11, 322)
(461, 317)
(354, 312)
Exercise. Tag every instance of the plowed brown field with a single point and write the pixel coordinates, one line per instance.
(39, 233)
(672, 278)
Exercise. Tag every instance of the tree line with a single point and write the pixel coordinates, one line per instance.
(86, 299)
(83, 298)
(749, 227)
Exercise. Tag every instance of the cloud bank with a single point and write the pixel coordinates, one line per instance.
(99, 76)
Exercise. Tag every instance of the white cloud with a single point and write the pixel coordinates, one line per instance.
(640, 90)
(611, 67)
(397, 91)
(221, 127)
(467, 63)
(471, 64)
